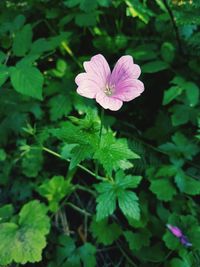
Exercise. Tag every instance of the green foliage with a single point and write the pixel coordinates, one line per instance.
(137, 240)
(22, 41)
(24, 241)
(67, 254)
(54, 190)
(104, 232)
(112, 184)
(114, 153)
(27, 80)
(116, 190)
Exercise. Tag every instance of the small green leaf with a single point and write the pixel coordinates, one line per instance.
(171, 94)
(22, 41)
(60, 106)
(65, 249)
(86, 19)
(4, 74)
(137, 240)
(154, 66)
(171, 241)
(6, 212)
(187, 184)
(2, 154)
(180, 115)
(163, 189)
(192, 92)
(32, 162)
(176, 262)
(27, 80)
(167, 52)
(104, 232)
(87, 254)
(54, 190)
(128, 203)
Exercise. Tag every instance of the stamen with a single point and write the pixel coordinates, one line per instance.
(109, 90)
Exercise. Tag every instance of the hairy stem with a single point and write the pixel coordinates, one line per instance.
(100, 134)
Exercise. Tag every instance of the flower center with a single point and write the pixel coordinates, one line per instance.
(109, 90)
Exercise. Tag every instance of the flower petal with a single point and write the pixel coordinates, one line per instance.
(124, 69)
(108, 102)
(99, 68)
(127, 90)
(87, 85)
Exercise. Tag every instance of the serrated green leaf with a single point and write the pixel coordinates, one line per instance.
(163, 189)
(137, 240)
(106, 204)
(104, 232)
(128, 203)
(54, 190)
(128, 181)
(60, 106)
(66, 247)
(87, 254)
(32, 162)
(27, 80)
(112, 152)
(22, 41)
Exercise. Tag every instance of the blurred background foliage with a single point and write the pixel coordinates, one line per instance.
(47, 130)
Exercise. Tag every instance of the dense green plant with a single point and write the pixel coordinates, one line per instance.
(67, 197)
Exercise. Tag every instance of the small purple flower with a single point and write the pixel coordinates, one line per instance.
(178, 233)
(110, 89)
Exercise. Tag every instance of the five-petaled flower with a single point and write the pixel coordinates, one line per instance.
(110, 89)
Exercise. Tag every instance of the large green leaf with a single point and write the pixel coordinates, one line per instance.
(24, 242)
(27, 80)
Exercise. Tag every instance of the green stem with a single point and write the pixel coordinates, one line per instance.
(68, 160)
(83, 188)
(84, 212)
(125, 255)
(100, 135)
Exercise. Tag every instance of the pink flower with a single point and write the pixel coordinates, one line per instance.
(175, 230)
(110, 89)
